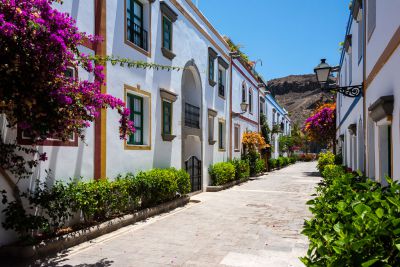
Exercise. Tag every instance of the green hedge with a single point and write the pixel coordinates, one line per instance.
(95, 200)
(356, 222)
(281, 162)
(273, 163)
(324, 159)
(260, 166)
(222, 173)
(242, 169)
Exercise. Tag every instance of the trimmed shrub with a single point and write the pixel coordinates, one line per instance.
(252, 158)
(260, 166)
(324, 159)
(355, 222)
(273, 163)
(242, 169)
(222, 173)
(95, 200)
(281, 162)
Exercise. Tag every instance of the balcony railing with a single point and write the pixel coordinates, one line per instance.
(192, 116)
(221, 89)
(137, 34)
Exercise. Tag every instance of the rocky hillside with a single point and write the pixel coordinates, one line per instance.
(298, 94)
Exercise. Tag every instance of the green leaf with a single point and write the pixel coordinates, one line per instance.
(369, 263)
(361, 209)
(379, 212)
(398, 246)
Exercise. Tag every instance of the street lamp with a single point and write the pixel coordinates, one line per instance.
(243, 107)
(323, 71)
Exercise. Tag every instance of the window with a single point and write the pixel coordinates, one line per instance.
(385, 152)
(371, 17)
(192, 116)
(237, 137)
(167, 33)
(360, 40)
(221, 135)
(350, 68)
(134, 24)
(136, 106)
(221, 83)
(166, 117)
(212, 55)
(243, 93)
(250, 101)
(262, 104)
(210, 129)
(210, 68)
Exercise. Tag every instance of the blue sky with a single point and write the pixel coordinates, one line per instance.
(289, 36)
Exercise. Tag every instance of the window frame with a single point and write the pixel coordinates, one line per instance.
(132, 97)
(146, 124)
(73, 142)
(211, 68)
(131, 43)
(221, 82)
(221, 135)
(236, 139)
(167, 19)
(163, 117)
(250, 101)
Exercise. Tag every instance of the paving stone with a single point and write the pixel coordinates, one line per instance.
(257, 223)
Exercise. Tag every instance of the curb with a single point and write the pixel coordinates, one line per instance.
(216, 188)
(57, 244)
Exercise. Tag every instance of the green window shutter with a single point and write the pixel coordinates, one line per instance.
(136, 107)
(167, 33)
(211, 68)
(167, 118)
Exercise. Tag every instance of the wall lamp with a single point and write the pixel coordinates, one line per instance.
(323, 72)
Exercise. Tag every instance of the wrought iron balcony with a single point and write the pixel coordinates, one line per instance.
(192, 116)
(136, 34)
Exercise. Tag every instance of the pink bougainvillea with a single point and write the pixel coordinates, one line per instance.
(38, 43)
(321, 125)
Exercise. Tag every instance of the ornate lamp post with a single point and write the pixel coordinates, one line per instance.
(323, 71)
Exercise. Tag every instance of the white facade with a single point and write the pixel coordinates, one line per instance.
(179, 114)
(374, 145)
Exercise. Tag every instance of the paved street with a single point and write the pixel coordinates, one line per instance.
(255, 224)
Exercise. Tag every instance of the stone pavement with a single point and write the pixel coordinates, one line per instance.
(257, 223)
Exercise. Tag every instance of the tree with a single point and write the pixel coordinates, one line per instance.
(321, 125)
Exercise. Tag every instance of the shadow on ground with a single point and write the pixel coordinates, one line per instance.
(312, 174)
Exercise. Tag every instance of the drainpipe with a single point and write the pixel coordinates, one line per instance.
(364, 85)
(230, 105)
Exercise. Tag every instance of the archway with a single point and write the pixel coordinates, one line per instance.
(192, 137)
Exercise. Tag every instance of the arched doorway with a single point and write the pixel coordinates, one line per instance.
(192, 138)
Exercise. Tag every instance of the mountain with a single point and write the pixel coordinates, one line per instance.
(299, 95)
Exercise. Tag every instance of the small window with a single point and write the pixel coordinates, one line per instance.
(250, 101)
(371, 17)
(221, 84)
(167, 33)
(210, 129)
(136, 106)
(237, 137)
(221, 135)
(134, 25)
(166, 117)
(211, 68)
(243, 94)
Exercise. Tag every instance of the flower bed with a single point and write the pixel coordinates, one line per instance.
(281, 162)
(227, 174)
(95, 201)
(356, 222)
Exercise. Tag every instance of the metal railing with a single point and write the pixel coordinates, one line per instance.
(137, 34)
(192, 116)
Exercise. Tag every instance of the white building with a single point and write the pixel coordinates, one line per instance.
(368, 126)
(278, 121)
(186, 119)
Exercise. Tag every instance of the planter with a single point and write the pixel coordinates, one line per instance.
(57, 244)
(216, 188)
